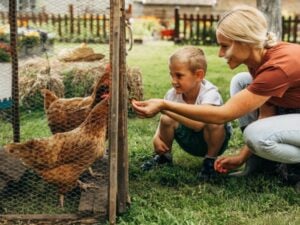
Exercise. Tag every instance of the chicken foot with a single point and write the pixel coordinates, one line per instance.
(94, 174)
(82, 185)
(85, 186)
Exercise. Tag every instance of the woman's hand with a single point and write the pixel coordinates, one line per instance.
(147, 109)
(225, 163)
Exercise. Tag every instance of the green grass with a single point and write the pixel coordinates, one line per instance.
(171, 195)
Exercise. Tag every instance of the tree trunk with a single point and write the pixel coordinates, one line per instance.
(272, 10)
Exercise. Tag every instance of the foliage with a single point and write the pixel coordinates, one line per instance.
(4, 52)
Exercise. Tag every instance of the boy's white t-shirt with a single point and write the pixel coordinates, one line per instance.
(208, 94)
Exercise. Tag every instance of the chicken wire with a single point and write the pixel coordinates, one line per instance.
(63, 64)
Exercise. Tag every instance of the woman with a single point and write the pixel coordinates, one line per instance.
(274, 90)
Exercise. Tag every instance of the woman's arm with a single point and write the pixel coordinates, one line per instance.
(225, 163)
(238, 105)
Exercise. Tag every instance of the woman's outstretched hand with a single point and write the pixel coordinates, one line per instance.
(147, 109)
(225, 163)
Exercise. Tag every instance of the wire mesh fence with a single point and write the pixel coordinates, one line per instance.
(59, 170)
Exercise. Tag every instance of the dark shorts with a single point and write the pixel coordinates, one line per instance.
(193, 142)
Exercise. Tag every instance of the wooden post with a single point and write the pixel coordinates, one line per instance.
(98, 25)
(184, 26)
(104, 27)
(198, 29)
(177, 25)
(71, 12)
(59, 25)
(78, 24)
(191, 28)
(66, 18)
(295, 28)
(91, 24)
(114, 108)
(15, 78)
(123, 198)
(204, 30)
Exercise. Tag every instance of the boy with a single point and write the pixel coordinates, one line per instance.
(187, 70)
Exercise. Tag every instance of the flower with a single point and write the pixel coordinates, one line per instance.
(5, 52)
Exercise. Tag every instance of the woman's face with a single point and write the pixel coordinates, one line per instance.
(235, 53)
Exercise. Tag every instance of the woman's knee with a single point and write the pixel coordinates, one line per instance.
(252, 137)
(239, 82)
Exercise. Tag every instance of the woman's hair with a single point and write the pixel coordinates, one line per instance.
(248, 25)
(193, 56)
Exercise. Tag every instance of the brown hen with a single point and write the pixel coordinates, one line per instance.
(66, 114)
(63, 157)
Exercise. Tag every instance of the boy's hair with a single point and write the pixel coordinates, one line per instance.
(246, 24)
(193, 56)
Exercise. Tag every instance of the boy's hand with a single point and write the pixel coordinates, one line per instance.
(225, 163)
(160, 146)
(147, 109)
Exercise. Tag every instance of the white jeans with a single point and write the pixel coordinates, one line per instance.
(275, 138)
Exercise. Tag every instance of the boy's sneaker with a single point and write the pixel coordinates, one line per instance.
(165, 159)
(207, 171)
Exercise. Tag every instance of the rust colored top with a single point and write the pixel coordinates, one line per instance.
(279, 76)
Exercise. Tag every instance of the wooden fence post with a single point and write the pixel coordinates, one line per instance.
(71, 12)
(198, 29)
(98, 25)
(59, 25)
(104, 27)
(177, 25)
(91, 24)
(191, 20)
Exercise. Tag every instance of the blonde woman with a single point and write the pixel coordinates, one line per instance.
(274, 90)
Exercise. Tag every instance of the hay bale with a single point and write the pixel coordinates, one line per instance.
(80, 78)
(68, 79)
(135, 87)
(135, 83)
(36, 74)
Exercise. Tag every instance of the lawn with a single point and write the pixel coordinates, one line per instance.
(173, 195)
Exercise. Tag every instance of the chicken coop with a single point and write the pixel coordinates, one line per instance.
(63, 111)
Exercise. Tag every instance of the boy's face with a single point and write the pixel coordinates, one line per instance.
(183, 80)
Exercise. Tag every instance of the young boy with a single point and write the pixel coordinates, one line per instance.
(187, 68)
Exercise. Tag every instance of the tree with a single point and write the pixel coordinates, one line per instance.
(272, 10)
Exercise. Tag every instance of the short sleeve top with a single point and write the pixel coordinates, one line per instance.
(279, 76)
(208, 94)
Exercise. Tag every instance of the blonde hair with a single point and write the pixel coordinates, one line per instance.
(193, 56)
(248, 25)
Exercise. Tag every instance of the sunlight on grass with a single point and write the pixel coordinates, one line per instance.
(170, 195)
(173, 195)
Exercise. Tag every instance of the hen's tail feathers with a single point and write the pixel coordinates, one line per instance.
(11, 169)
(49, 97)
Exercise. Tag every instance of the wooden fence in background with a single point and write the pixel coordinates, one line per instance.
(189, 29)
(200, 29)
(65, 26)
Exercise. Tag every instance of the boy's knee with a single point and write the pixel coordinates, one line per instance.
(167, 121)
(213, 128)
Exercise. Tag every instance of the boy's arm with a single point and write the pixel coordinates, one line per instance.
(193, 124)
